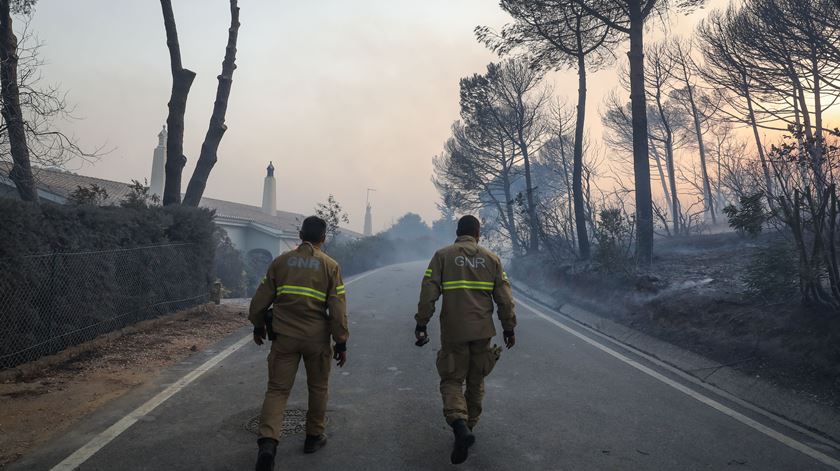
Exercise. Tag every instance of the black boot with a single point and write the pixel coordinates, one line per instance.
(314, 443)
(265, 457)
(464, 439)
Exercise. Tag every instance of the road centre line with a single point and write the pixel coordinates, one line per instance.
(98, 442)
(778, 436)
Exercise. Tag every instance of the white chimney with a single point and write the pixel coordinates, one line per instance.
(158, 165)
(368, 222)
(269, 202)
(368, 231)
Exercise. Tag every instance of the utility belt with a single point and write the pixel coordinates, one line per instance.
(268, 318)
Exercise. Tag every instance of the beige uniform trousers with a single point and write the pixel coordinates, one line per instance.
(283, 361)
(458, 363)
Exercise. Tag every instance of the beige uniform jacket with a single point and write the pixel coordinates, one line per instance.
(470, 278)
(307, 292)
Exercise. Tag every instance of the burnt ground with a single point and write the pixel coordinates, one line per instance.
(43, 399)
(695, 297)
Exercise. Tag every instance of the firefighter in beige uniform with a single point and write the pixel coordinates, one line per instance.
(470, 278)
(307, 293)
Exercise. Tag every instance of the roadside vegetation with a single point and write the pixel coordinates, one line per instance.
(71, 272)
(707, 211)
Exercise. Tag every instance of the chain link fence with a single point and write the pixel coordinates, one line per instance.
(51, 302)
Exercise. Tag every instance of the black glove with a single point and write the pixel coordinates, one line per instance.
(340, 354)
(510, 338)
(421, 335)
(259, 335)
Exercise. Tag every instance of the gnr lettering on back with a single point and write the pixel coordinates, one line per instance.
(304, 262)
(474, 262)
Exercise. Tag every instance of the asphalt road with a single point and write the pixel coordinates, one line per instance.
(562, 399)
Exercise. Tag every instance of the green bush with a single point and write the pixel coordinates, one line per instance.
(614, 237)
(92, 194)
(749, 219)
(69, 273)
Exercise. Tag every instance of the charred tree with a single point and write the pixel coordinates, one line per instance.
(511, 103)
(628, 17)
(182, 80)
(479, 161)
(21, 173)
(209, 149)
(680, 54)
(559, 34)
(641, 159)
(727, 69)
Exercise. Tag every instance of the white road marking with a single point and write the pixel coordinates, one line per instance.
(707, 386)
(82, 454)
(778, 436)
(98, 442)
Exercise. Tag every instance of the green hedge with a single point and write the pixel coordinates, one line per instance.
(70, 273)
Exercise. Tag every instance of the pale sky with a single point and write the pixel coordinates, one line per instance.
(341, 95)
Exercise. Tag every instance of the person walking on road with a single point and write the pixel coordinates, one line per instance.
(304, 290)
(470, 278)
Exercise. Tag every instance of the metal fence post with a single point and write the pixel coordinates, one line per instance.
(217, 292)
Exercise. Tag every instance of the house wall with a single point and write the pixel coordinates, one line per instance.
(238, 234)
(246, 238)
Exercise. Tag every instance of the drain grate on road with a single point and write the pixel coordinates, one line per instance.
(294, 422)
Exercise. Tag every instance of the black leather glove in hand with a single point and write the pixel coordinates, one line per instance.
(259, 335)
(421, 335)
(510, 338)
(340, 355)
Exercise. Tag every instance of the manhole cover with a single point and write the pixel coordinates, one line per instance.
(294, 422)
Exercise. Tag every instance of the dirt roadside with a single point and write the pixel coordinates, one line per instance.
(41, 400)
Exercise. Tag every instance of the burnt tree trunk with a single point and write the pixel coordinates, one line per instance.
(209, 149)
(21, 173)
(662, 178)
(768, 180)
(641, 162)
(533, 222)
(570, 210)
(511, 219)
(701, 147)
(577, 169)
(182, 80)
(672, 195)
(676, 206)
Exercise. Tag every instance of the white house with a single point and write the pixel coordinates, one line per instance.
(258, 232)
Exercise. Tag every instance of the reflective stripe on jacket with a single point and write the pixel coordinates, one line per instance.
(308, 295)
(471, 279)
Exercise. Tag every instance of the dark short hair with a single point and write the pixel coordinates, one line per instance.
(469, 225)
(313, 229)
